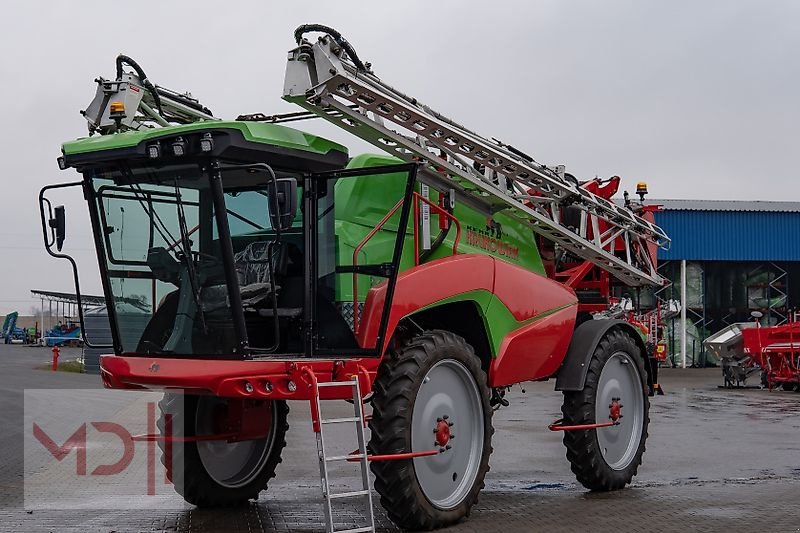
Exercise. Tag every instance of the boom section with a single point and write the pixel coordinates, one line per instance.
(488, 173)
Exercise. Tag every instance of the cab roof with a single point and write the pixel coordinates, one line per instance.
(232, 140)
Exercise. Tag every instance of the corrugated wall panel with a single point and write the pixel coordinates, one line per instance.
(731, 235)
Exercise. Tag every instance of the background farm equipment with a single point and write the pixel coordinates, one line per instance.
(746, 349)
(728, 346)
(777, 351)
(66, 334)
(10, 333)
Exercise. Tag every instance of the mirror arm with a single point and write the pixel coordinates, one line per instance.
(48, 244)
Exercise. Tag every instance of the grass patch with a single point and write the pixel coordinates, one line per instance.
(65, 366)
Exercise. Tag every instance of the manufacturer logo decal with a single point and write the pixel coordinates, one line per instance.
(490, 239)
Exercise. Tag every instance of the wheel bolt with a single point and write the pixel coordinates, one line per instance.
(441, 450)
(450, 424)
(448, 447)
(452, 436)
(445, 417)
(438, 420)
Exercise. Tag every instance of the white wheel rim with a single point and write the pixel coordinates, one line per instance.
(620, 379)
(230, 464)
(448, 389)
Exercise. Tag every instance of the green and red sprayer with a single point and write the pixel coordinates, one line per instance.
(422, 284)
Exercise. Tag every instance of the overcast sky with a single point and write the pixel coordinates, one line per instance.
(699, 98)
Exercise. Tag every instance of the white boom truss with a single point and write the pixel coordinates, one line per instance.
(487, 173)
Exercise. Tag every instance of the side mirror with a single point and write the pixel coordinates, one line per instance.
(58, 224)
(283, 209)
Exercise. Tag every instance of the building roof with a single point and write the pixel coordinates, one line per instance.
(68, 297)
(727, 205)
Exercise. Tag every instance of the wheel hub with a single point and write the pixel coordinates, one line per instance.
(615, 409)
(442, 432)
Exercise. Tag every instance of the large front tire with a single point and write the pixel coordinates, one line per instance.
(430, 391)
(605, 459)
(219, 473)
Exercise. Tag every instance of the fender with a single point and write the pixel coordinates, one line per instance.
(421, 286)
(572, 374)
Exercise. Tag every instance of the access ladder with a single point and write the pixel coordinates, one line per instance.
(360, 455)
(326, 80)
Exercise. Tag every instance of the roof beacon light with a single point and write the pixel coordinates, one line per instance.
(179, 147)
(116, 108)
(116, 112)
(206, 142)
(641, 190)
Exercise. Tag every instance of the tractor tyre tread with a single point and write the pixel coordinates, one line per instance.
(399, 376)
(583, 450)
(193, 482)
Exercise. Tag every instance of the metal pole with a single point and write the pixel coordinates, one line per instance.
(683, 313)
(226, 247)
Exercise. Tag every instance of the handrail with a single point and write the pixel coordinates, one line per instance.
(357, 249)
(417, 198)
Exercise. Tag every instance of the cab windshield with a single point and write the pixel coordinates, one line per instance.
(164, 265)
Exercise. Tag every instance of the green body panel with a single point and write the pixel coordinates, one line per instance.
(363, 201)
(256, 132)
(497, 318)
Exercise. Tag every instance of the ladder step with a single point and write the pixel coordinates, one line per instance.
(356, 530)
(345, 457)
(337, 384)
(351, 494)
(339, 420)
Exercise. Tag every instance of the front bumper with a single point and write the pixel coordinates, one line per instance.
(271, 379)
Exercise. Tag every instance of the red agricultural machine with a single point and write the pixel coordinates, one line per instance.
(776, 349)
(748, 348)
(268, 265)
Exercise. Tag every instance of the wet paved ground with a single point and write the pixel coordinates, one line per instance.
(717, 460)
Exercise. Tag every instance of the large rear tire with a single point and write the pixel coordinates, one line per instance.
(219, 473)
(426, 394)
(605, 459)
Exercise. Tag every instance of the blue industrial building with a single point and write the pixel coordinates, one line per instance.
(737, 257)
(715, 230)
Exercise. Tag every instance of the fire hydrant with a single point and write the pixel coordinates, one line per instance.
(55, 358)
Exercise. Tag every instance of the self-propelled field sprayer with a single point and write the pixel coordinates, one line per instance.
(246, 264)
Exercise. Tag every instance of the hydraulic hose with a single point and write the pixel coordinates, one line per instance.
(337, 38)
(122, 59)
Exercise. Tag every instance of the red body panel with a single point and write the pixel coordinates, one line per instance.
(527, 294)
(422, 286)
(535, 351)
